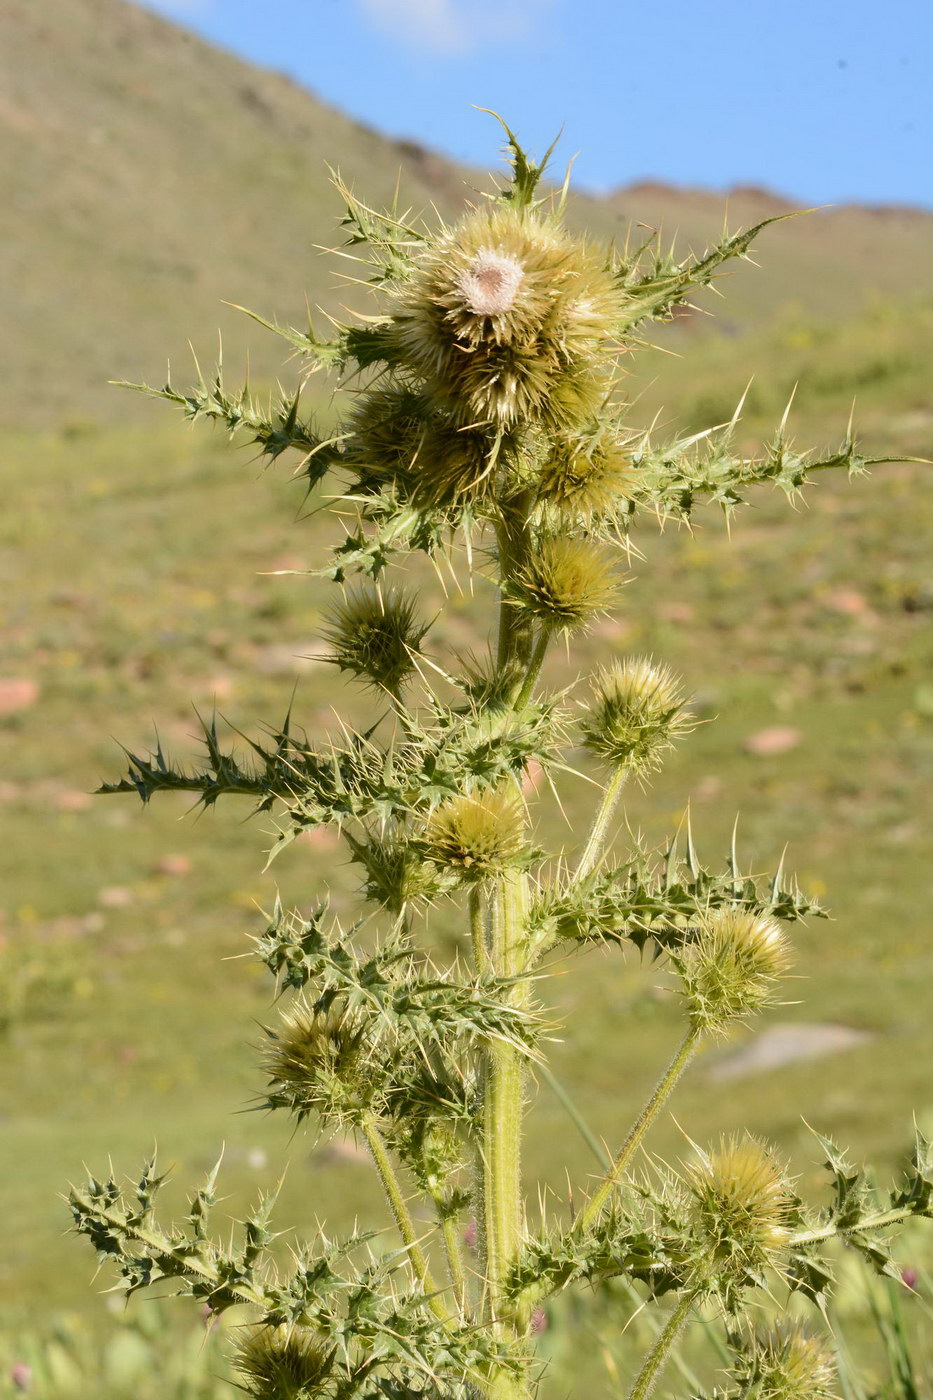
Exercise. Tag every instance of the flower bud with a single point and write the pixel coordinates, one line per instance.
(565, 583)
(790, 1365)
(728, 969)
(396, 875)
(636, 713)
(279, 1363)
(585, 475)
(510, 319)
(320, 1061)
(375, 635)
(476, 837)
(742, 1206)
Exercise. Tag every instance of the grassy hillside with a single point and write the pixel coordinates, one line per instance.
(148, 177)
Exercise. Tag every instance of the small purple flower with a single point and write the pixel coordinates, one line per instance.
(909, 1278)
(21, 1375)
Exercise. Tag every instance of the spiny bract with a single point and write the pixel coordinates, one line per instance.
(742, 1207)
(565, 583)
(636, 713)
(730, 965)
(282, 1363)
(477, 837)
(510, 319)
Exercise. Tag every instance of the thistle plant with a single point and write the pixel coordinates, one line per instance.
(486, 428)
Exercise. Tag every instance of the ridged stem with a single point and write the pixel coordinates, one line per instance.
(478, 931)
(596, 840)
(534, 668)
(656, 1359)
(450, 1234)
(665, 1086)
(402, 1215)
(502, 1106)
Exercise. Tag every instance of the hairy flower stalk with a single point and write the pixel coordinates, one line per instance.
(486, 411)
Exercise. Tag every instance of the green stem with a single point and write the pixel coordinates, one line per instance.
(649, 1113)
(657, 1357)
(450, 1233)
(402, 1215)
(478, 931)
(870, 1222)
(599, 830)
(534, 668)
(502, 1106)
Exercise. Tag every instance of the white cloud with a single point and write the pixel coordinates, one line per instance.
(455, 26)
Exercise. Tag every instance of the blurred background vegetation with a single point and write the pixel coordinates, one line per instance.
(147, 177)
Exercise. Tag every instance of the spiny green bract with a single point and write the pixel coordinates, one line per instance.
(376, 635)
(636, 712)
(730, 965)
(282, 1363)
(742, 1207)
(488, 412)
(565, 583)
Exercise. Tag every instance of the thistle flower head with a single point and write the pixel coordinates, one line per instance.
(396, 874)
(636, 713)
(321, 1061)
(585, 475)
(383, 434)
(279, 1363)
(741, 1205)
(729, 968)
(790, 1365)
(490, 283)
(476, 836)
(509, 319)
(565, 583)
(395, 436)
(375, 635)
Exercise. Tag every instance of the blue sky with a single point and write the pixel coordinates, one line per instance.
(822, 100)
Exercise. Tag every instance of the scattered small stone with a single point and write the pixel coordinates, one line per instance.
(786, 1045)
(678, 613)
(73, 801)
(320, 838)
(175, 865)
(289, 658)
(257, 1158)
(708, 787)
(17, 693)
(769, 742)
(344, 1150)
(21, 1375)
(115, 897)
(848, 602)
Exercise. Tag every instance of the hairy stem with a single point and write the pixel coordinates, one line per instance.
(450, 1233)
(402, 1215)
(534, 668)
(596, 840)
(478, 931)
(502, 1108)
(867, 1222)
(643, 1122)
(657, 1357)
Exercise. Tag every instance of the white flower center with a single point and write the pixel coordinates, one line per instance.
(490, 284)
